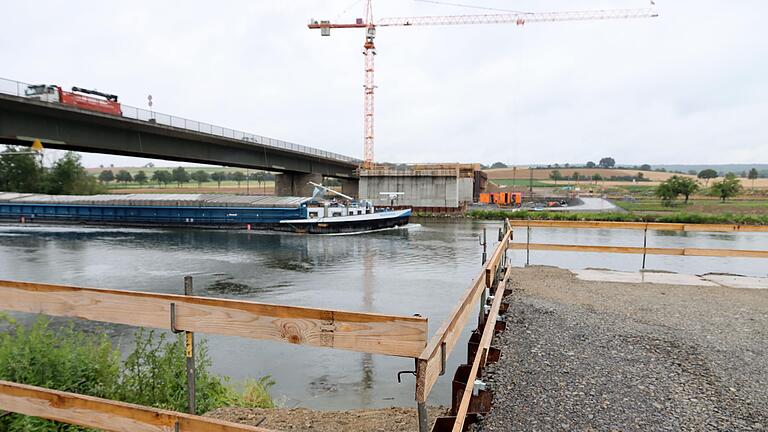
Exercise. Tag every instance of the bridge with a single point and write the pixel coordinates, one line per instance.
(142, 133)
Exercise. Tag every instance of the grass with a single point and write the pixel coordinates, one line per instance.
(691, 218)
(738, 206)
(154, 374)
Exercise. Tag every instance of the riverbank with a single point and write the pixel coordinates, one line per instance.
(690, 218)
(586, 355)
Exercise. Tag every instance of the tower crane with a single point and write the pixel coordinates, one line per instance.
(517, 18)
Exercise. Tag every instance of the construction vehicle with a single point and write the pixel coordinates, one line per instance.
(76, 98)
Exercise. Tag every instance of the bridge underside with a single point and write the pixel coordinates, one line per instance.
(22, 121)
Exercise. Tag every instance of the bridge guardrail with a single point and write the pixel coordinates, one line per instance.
(18, 88)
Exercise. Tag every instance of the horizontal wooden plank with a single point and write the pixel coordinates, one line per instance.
(482, 352)
(355, 331)
(103, 413)
(428, 364)
(736, 253)
(654, 226)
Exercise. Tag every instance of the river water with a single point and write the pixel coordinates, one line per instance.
(422, 269)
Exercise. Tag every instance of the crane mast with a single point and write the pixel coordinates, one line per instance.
(369, 49)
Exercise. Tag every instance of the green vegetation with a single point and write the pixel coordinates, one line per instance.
(729, 187)
(676, 185)
(154, 374)
(692, 218)
(21, 171)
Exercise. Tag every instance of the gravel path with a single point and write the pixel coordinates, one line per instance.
(581, 355)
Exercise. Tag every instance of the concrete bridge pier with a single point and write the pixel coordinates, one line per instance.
(350, 187)
(296, 184)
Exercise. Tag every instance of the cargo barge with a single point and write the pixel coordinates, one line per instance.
(296, 214)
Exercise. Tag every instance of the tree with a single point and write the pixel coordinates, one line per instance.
(498, 165)
(106, 176)
(219, 177)
(556, 175)
(67, 176)
(730, 186)
(238, 176)
(140, 177)
(685, 186)
(707, 174)
(591, 164)
(645, 167)
(20, 172)
(180, 175)
(666, 191)
(753, 174)
(596, 177)
(640, 176)
(162, 177)
(607, 162)
(575, 176)
(200, 177)
(123, 176)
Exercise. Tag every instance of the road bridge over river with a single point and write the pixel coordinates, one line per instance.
(144, 133)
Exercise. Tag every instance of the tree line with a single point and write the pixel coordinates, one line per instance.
(21, 171)
(180, 176)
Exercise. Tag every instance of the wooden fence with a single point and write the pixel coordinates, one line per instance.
(653, 226)
(105, 414)
(401, 336)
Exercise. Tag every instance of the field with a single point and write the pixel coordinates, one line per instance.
(543, 173)
(521, 175)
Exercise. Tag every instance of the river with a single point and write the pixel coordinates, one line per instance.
(421, 269)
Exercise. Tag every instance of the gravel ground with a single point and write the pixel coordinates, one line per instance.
(581, 355)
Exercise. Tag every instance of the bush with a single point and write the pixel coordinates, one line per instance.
(153, 374)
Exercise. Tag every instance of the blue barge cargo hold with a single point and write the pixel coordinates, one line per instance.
(199, 210)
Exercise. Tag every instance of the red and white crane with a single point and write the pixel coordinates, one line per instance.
(517, 18)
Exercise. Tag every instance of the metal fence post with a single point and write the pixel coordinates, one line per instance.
(190, 353)
(423, 419)
(528, 248)
(645, 244)
(485, 246)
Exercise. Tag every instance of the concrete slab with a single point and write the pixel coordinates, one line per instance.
(642, 277)
(733, 281)
(708, 280)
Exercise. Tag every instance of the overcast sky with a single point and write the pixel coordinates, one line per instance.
(690, 86)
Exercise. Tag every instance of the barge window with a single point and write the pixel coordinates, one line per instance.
(312, 215)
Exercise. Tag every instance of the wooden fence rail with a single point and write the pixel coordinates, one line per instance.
(740, 253)
(105, 414)
(392, 335)
(429, 362)
(653, 226)
(482, 351)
